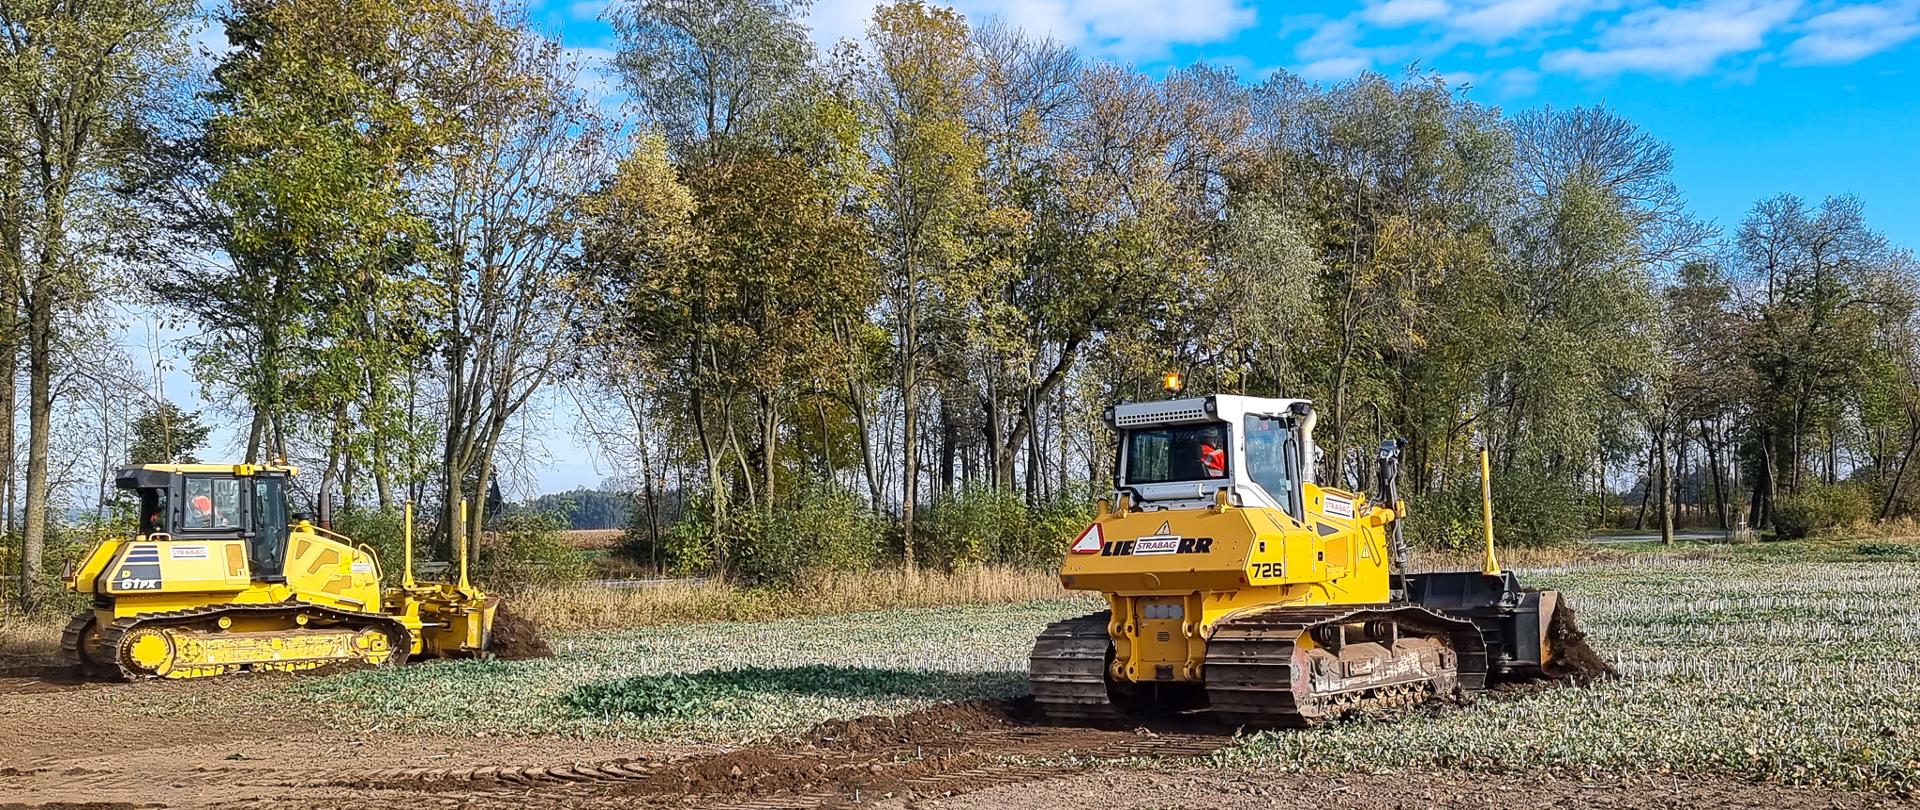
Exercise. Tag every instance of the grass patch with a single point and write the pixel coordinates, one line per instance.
(730, 693)
(926, 654)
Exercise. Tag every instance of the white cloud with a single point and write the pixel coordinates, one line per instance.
(1123, 28)
(1518, 81)
(1402, 12)
(597, 77)
(1334, 68)
(1334, 52)
(1851, 33)
(1500, 19)
(835, 20)
(587, 9)
(1679, 41)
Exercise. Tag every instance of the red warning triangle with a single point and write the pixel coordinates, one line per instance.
(1089, 541)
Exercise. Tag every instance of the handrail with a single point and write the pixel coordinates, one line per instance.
(319, 529)
(372, 555)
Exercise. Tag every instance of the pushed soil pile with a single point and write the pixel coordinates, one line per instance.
(1573, 657)
(516, 637)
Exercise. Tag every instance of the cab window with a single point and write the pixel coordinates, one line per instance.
(210, 504)
(1158, 455)
(1273, 460)
(268, 546)
(153, 510)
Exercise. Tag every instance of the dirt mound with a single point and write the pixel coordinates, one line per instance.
(1573, 657)
(516, 637)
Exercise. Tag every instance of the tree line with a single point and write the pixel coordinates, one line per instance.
(883, 290)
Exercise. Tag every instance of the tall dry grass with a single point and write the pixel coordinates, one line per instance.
(588, 606)
(1900, 528)
(29, 642)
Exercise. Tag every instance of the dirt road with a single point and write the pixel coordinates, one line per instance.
(89, 745)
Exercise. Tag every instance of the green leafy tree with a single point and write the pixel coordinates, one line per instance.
(918, 90)
(79, 80)
(165, 434)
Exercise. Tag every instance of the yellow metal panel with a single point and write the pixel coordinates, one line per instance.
(1172, 576)
(95, 562)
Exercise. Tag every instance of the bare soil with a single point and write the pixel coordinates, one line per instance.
(80, 745)
(1573, 656)
(515, 637)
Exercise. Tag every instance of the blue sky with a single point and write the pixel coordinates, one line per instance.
(1757, 97)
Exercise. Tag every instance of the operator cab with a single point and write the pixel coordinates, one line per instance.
(215, 502)
(1178, 454)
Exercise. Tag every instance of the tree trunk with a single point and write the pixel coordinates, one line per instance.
(1646, 495)
(1719, 487)
(9, 395)
(716, 485)
(33, 537)
(336, 453)
(949, 447)
(1900, 472)
(256, 431)
(857, 407)
(910, 453)
(477, 514)
(646, 482)
(769, 449)
(1666, 487)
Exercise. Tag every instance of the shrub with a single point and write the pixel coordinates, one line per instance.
(384, 531)
(964, 528)
(1530, 508)
(820, 527)
(1818, 508)
(529, 548)
(983, 525)
(64, 545)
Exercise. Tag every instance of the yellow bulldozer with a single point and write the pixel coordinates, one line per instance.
(219, 578)
(1240, 583)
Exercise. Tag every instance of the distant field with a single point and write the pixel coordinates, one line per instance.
(594, 539)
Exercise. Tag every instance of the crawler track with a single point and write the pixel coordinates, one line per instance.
(1265, 669)
(1068, 670)
(1259, 670)
(102, 652)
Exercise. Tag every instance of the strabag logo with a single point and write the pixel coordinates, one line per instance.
(1161, 542)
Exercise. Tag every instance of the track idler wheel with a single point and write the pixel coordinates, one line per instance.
(78, 644)
(148, 651)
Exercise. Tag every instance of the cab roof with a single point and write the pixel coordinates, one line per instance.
(1214, 407)
(138, 476)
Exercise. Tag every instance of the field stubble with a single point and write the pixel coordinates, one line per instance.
(1773, 665)
(1794, 673)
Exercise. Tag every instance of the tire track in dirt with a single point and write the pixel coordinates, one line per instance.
(945, 750)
